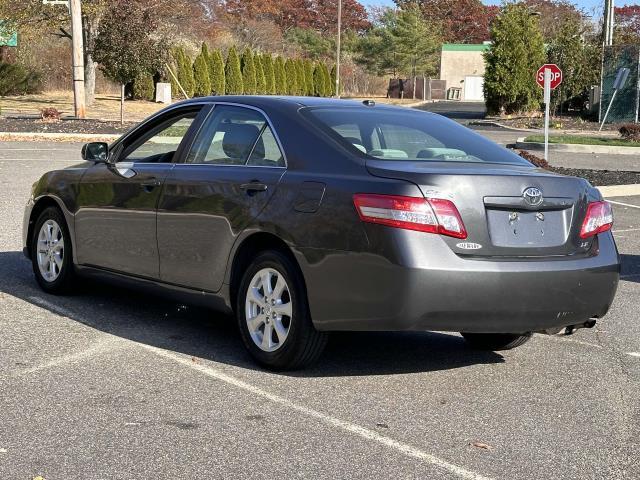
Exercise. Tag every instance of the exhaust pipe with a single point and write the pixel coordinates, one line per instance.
(570, 329)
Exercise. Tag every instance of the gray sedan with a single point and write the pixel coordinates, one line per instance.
(303, 216)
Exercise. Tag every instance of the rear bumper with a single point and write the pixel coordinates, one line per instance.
(450, 293)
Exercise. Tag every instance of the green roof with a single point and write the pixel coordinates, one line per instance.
(465, 47)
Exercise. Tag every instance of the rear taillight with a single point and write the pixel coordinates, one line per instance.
(599, 219)
(433, 215)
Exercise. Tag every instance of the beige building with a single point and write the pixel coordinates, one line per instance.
(462, 67)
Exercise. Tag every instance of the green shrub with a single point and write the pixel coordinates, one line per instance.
(232, 73)
(216, 73)
(248, 72)
(202, 82)
(144, 88)
(292, 80)
(16, 79)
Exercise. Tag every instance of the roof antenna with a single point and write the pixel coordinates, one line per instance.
(369, 103)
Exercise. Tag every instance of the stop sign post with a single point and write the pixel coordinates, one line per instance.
(549, 77)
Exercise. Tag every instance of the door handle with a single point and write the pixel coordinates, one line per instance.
(254, 186)
(149, 185)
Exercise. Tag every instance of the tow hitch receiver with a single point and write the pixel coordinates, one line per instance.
(568, 330)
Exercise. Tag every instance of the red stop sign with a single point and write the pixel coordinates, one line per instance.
(556, 75)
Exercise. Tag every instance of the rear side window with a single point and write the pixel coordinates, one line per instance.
(381, 133)
(236, 136)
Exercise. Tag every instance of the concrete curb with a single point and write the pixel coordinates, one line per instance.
(577, 148)
(620, 190)
(59, 137)
(493, 123)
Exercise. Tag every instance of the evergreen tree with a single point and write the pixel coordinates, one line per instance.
(269, 75)
(143, 87)
(300, 84)
(185, 73)
(280, 76)
(333, 81)
(318, 80)
(216, 72)
(292, 81)
(326, 80)
(261, 81)
(202, 82)
(308, 78)
(175, 68)
(232, 73)
(515, 55)
(248, 72)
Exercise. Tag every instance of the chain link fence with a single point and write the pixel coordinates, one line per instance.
(627, 101)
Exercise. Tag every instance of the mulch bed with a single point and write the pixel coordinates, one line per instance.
(555, 123)
(15, 125)
(597, 178)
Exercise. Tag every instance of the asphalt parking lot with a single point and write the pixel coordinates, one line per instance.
(115, 384)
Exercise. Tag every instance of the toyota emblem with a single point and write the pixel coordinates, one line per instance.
(532, 196)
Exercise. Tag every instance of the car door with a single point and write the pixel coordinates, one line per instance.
(225, 181)
(116, 219)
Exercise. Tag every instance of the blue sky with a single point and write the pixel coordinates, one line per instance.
(587, 5)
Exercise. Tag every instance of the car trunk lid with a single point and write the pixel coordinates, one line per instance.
(508, 210)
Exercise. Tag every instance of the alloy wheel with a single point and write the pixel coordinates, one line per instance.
(50, 250)
(268, 309)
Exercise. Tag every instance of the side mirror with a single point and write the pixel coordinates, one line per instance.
(97, 152)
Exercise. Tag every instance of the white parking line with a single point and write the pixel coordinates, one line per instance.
(627, 230)
(352, 428)
(624, 204)
(97, 348)
(634, 354)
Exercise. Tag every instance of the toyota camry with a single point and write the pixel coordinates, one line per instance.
(303, 216)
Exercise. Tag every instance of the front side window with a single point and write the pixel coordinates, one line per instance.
(236, 136)
(386, 134)
(160, 143)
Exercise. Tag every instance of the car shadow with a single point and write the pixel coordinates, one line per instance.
(630, 268)
(203, 333)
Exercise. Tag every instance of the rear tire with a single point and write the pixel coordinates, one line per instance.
(273, 314)
(51, 254)
(496, 341)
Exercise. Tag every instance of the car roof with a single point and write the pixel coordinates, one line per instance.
(274, 101)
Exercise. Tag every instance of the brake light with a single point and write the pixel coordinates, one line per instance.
(599, 219)
(433, 215)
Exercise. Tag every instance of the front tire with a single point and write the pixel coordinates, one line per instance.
(51, 254)
(496, 341)
(273, 314)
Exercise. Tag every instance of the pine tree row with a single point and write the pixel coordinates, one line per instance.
(250, 73)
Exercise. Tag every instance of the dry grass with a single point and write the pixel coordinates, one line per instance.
(105, 107)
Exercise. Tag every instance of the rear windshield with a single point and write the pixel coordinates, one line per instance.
(408, 135)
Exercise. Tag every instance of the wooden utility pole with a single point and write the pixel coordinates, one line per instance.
(75, 9)
(338, 48)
